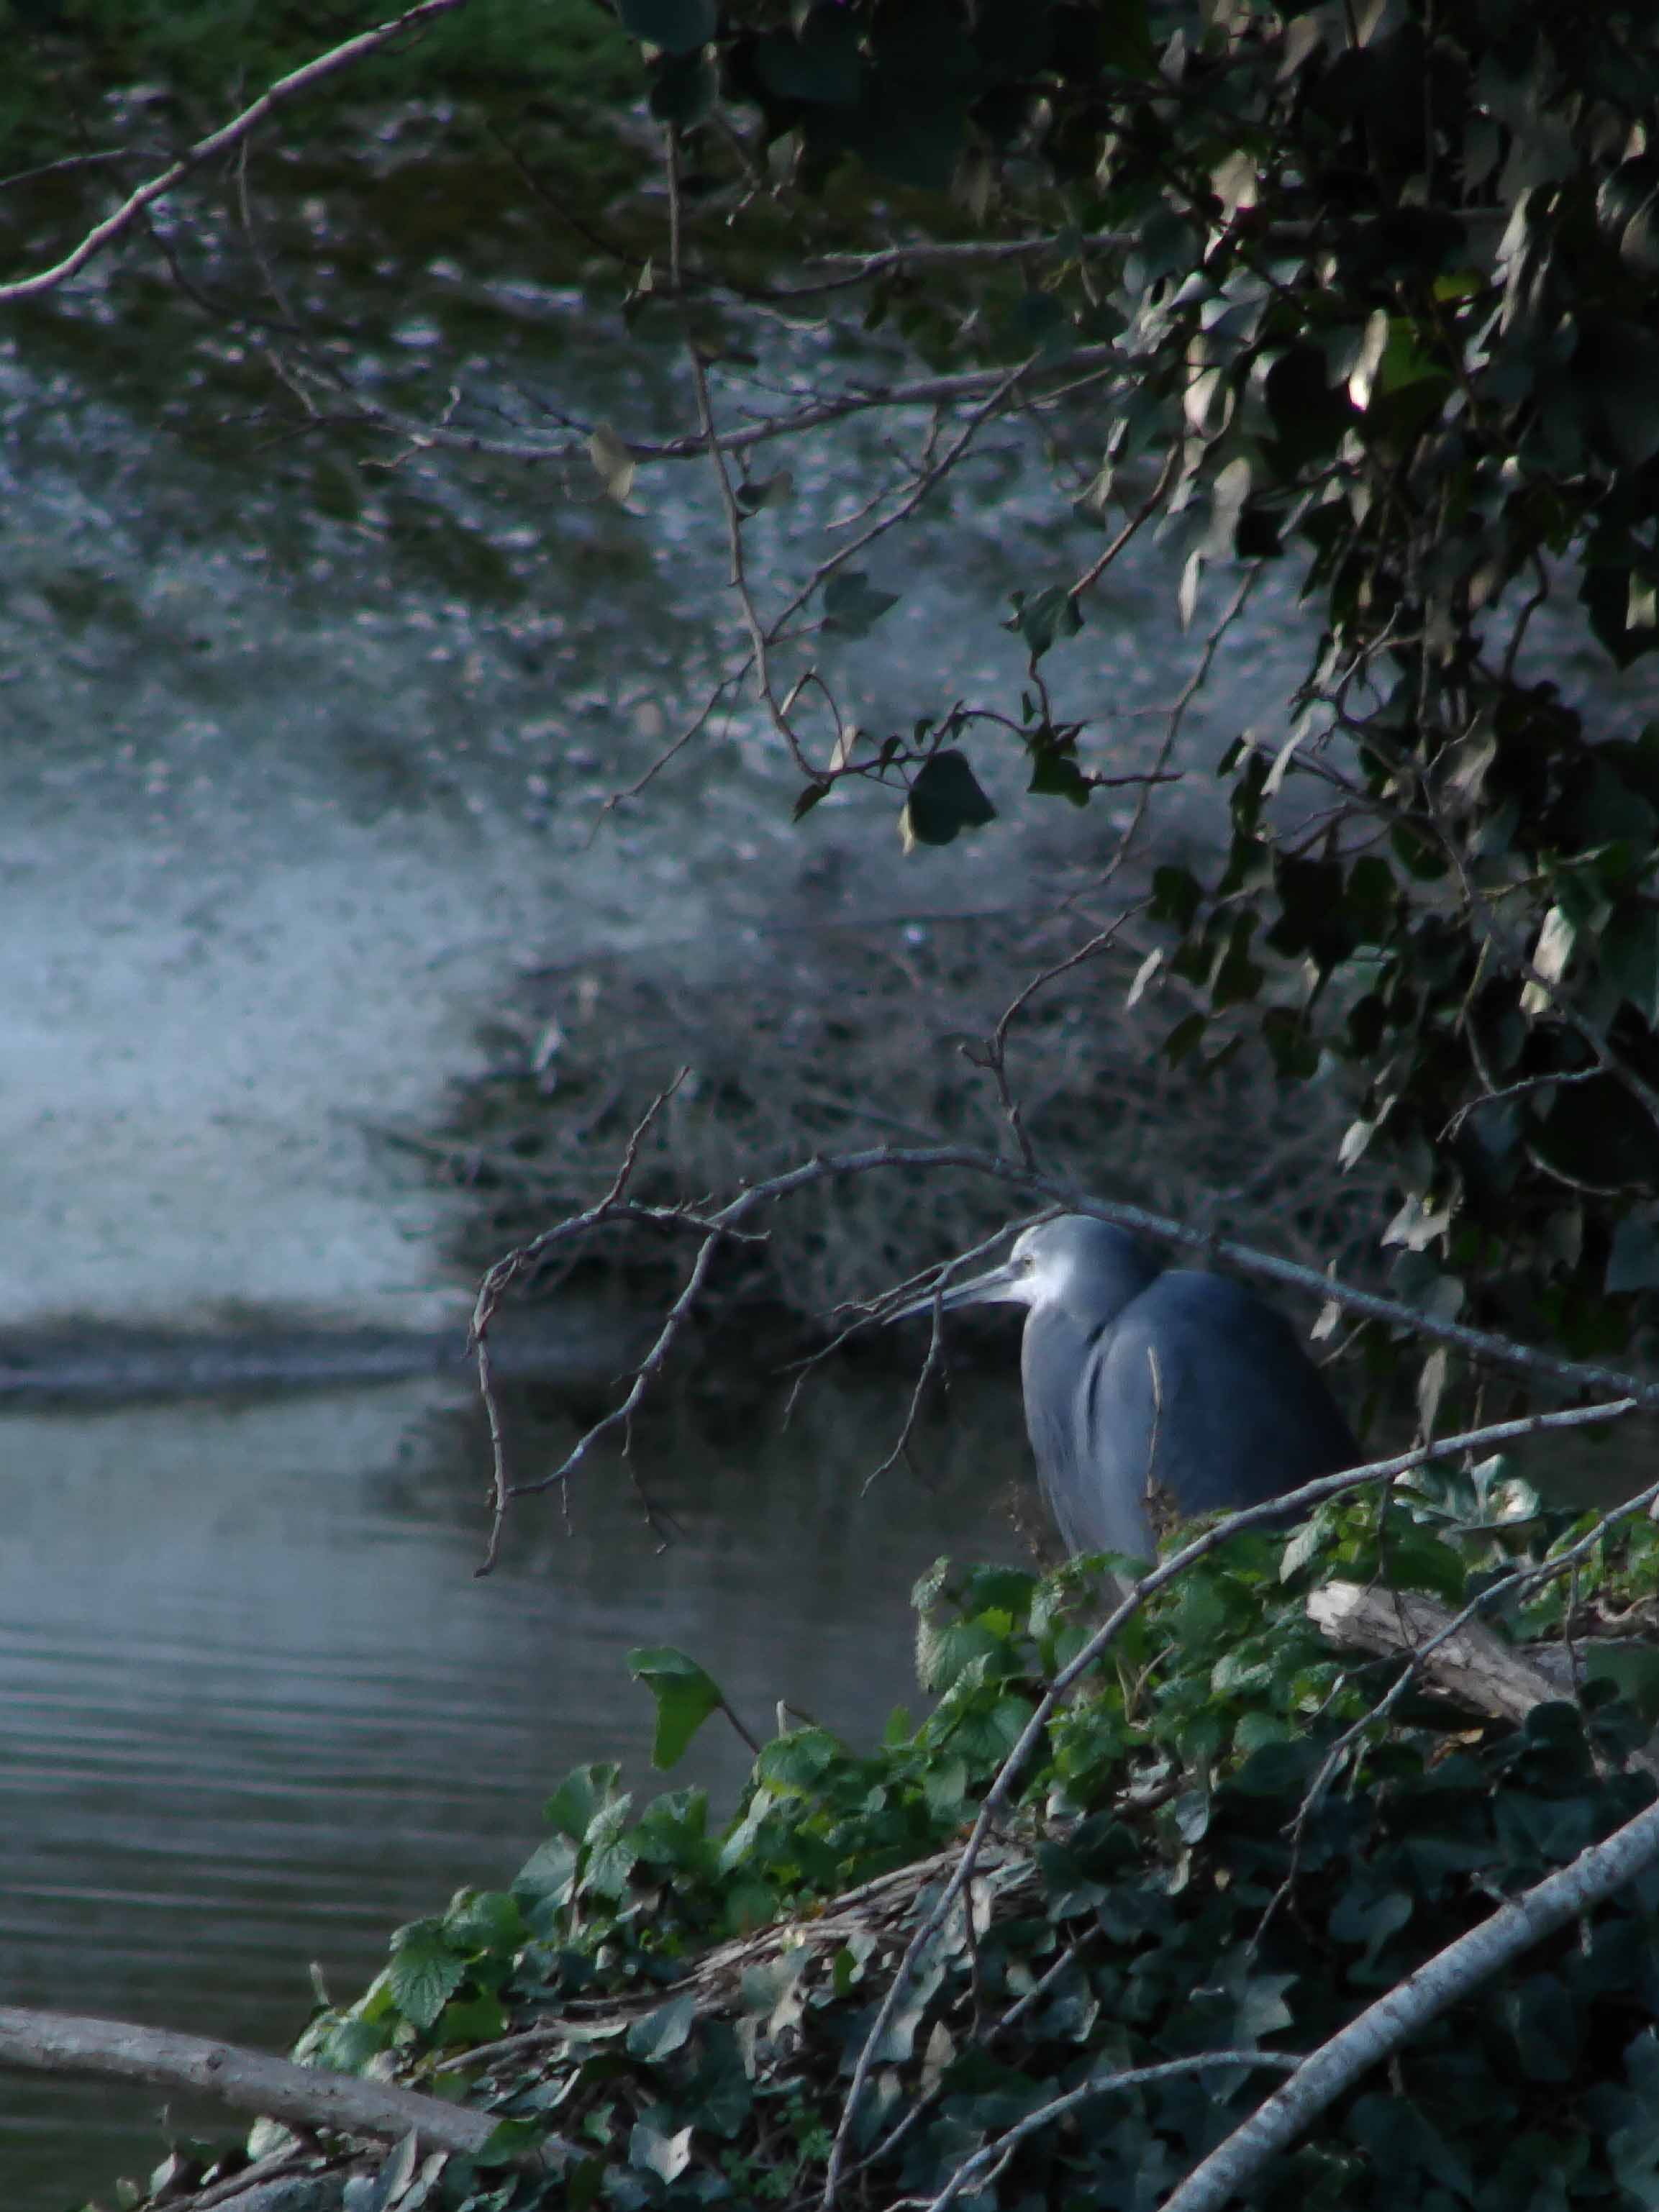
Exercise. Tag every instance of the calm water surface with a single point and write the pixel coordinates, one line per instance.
(258, 1711)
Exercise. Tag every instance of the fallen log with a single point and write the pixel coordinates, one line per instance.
(1470, 1663)
(248, 2081)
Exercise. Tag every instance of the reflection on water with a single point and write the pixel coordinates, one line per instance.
(258, 1711)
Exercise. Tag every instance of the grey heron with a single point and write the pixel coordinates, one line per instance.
(1145, 1385)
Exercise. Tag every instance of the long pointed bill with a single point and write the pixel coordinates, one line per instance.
(1006, 1284)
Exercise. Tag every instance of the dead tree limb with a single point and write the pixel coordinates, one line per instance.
(248, 2081)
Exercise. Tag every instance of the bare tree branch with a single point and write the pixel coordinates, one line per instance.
(248, 2081)
(952, 253)
(1475, 1344)
(968, 385)
(760, 638)
(493, 1288)
(992, 1054)
(985, 2164)
(1470, 1663)
(229, 135)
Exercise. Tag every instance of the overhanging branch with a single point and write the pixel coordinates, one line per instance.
(229, 136)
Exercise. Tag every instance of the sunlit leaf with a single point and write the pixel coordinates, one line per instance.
(686, 1697)
(612, 462)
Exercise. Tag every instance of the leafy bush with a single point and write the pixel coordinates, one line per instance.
(1225, 1843)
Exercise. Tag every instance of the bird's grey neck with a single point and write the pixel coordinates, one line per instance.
(1091, 1300)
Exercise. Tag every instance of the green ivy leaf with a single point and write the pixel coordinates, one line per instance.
(469, 2020)
(664, 2032)
(546, 1876)
(582, 1793)
(1417, 1560)
(686, 1697)
(1055, 773)
(945, 798)
(1175, 896)
(820, 64)
(1186, 1034)
(509, 2143)
(1368, 1917)
(610, 1853)
(667, 2157)
(351, 2043)
(1633, 1262)
(1628, 957)
(1044, 618)
(485, 1920)
(1633, 1670)
(765, 491)
(424, 1971)
(852, 603)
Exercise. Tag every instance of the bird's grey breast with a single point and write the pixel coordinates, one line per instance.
(1086, 1466)
(1214, 1390)
(1194, 1395)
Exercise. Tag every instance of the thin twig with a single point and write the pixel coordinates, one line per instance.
(973, 253)
(924, 479)
(1000, 2148)
(993, 1053)
(69, 161)
(223, 141)
(760, 640)
(966, 386)
(1142, 515)
(493, 1288)
(276, 2167)
(1519, 1091)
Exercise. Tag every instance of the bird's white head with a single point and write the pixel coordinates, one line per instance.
(1075, 1261)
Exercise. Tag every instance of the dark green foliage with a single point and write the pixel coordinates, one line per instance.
(1186, 1868)
(944, 799)
(679, 27)
(852, 603)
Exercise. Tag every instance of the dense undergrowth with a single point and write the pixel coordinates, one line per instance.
(841, 1036)
(1227, 1842)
